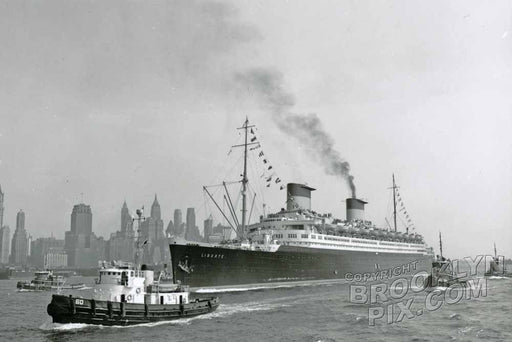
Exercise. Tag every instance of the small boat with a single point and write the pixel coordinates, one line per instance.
(125, 294)
(497, 268)
(46, 281)
(443, 273)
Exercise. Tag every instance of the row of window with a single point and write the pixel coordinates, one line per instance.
(305, 236)
(363, 247)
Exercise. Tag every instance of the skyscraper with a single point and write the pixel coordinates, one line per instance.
(179, 228)
(208, 228)
(5, 234)
(155, 209)
(152, 230)
(121, 245)
(83, 248)
(5, 244)
(170, 228)
(81, 219)
(19, 246)
(126, 219)
(192, 232)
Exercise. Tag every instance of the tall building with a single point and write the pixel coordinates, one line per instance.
(5, 244)
(81, 219)
(19, 246)
(170, 229)
(208, 228)
(179, 226)
(192, 232)
(126, 220)
(1, 207)
(156, 249)
(121, 245)
(83, 248)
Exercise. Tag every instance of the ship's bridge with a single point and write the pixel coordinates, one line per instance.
(124, 277)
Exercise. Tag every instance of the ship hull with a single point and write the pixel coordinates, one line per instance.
(213, 266)
(67, 309)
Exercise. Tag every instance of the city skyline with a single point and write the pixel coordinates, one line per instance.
(82, 248)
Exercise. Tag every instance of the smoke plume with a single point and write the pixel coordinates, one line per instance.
(267, 86)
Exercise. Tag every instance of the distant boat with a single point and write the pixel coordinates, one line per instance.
(497, 268)
(442, 272)
(46, 281)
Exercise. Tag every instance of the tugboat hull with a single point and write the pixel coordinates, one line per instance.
(68, 309)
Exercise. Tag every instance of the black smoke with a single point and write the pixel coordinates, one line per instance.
(267, 86)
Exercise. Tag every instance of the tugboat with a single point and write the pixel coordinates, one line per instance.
(442, 272)
(126, 295)
(497, 268)
(46, 281)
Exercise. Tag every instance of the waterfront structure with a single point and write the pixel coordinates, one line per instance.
(83, 248)
(19, 245)
(41, 247)
(55, 257)
(5, 244)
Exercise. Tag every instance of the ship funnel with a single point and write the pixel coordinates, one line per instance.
(355, 209)
(298, 196)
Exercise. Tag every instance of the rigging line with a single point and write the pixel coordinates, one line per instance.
(255, 192)
(261, 191)
(402, 222)
(220, 210)
(230, 205)
(233, 216)
(227, 169)
(221, 169)
(221, 184)
(256, 173)
(252, 206)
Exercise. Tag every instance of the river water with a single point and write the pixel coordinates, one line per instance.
(304, 312)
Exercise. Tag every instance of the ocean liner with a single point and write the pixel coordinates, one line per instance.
(296, 244)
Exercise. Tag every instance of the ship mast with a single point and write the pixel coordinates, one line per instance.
(394, 201)
(138, 245)
(241, 228)
(244, 181)
(440, 246)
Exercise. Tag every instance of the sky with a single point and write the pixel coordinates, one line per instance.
(103, 102)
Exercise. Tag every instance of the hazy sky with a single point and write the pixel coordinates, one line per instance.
(120, 100)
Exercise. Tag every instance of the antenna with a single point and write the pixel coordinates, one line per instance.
(394, 187)
(440, 245)
(245, 127)
(138, 247)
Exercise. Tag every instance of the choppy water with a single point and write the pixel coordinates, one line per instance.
(319, 312)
